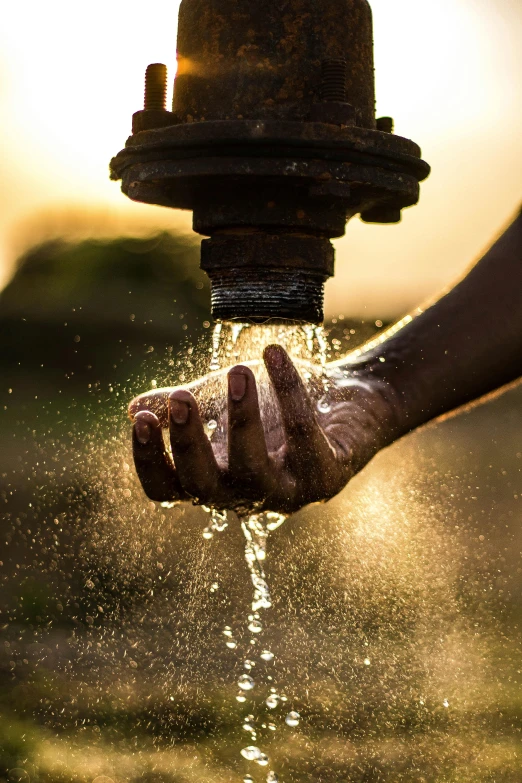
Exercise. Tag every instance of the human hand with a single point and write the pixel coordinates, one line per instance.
(298, 446)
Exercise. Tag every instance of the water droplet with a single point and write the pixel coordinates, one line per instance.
(255, 626)
(227, 631)
(323, 406)
(272, 701)
(89, 584)
(248, 726)
(212, 424)
(272, 727)
(208, 534)
(261, 602)
(274, 520)
(241, 698)
(231, 644)
(248, 779)
(245, 682)
(445, 703)
(251, 753)
(213, 587)
(367, 662)
(272, 777)
(249, 664)
(292, 719)
(262, 760)
(266, 655)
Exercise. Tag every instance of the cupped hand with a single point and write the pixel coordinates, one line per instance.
(300, 446)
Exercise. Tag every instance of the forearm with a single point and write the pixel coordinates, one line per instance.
(465, 345)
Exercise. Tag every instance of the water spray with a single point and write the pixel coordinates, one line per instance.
(273, 144)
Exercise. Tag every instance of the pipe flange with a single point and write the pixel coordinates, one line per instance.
(236, 251)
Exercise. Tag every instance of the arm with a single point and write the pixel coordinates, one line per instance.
(463, 346)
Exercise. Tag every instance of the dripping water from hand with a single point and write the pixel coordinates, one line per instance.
(227, 348)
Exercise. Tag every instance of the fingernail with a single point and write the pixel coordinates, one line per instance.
(179, 411)
(143, 431)
(275, 356)
(237, 383)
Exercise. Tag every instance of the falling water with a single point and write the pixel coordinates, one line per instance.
(309, 344)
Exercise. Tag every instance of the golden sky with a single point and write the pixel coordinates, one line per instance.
(448, 71)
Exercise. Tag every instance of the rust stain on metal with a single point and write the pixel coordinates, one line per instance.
(273, 143)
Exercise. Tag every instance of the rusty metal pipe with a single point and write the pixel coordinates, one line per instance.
(273, 143)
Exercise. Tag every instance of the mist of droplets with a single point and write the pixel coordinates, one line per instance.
(383, 636)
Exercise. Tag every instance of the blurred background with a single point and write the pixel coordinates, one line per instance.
(112, 664)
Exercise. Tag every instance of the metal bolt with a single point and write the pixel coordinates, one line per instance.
(385, 124)
(156, 87)
(333, 80)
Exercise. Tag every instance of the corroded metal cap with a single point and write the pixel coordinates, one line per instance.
(273, 143)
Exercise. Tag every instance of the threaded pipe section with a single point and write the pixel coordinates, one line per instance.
(333, 80)
(156, 86)
(263, 294)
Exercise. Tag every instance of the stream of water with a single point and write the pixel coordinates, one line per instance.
(233, 343)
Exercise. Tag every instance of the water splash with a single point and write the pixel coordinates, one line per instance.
(245, 342)
(251, 753)
(218, 522)
(256, 529)
(371, 568)
(215, 362)
(292, 719)
(246, 683)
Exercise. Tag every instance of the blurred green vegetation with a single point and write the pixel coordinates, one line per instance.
(94, 311)
(112, 666)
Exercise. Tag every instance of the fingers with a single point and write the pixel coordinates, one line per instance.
(309, 453)
(303, 470)
(156, 402)
(195, 462)
(153, 465)
(248, 461)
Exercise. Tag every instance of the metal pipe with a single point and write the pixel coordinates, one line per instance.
(273, 143)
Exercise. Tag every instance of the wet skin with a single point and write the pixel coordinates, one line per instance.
(464, 346)
(306, 456)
